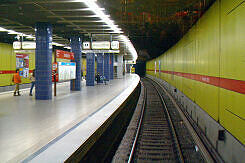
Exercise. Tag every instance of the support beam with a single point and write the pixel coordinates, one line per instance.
(77, 50)
(100, 65)
(43, 61)
(90, 74)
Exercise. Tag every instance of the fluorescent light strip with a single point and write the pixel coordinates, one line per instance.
(12, 32)
(97, 10)
(83, 0)
(3, 29)
(67, 47)
(30, 37)
(129, 46)
(57, 44)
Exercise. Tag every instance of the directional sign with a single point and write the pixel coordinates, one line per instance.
(115, 45)
(86, 45)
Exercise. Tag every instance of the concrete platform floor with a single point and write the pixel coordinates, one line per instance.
(26, 125)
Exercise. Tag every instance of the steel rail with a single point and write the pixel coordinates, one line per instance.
(205, 151)
(170, 123)
(181, 159)
(139, 126)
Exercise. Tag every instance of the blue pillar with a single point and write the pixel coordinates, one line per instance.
(107, 66)
(77, 50)
(90, 75)
(111, 67)
(100, 65)
(43, 61)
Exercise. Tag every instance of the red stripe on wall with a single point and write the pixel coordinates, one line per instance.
(229, 84)
(233, 85)
(7, 72)
(10, 71)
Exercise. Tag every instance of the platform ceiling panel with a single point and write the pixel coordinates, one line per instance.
(152, 26)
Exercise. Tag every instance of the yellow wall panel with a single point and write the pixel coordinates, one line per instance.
(6, 56)
(207, 60)
(207, 97)
(229, 5)
(208, 42)
(84, 66)
(233, 39)
(213, 47)
(232, 113)
(232, 67)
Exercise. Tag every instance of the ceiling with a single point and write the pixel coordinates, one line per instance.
(152, 25)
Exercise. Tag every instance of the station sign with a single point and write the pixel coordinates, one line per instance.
(100, 51)
(64, 54)
(16, 45)
(101, 45)
(130, 62)
(86, 45)
(115, 45)
(25, 45)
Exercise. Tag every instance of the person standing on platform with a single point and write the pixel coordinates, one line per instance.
(97, 78)
(81, 75)
(17, 80)
(33, 79)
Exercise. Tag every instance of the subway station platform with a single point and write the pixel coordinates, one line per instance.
(50, 131)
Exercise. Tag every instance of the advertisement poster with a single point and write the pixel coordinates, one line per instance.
(66, 71)
(22, 63)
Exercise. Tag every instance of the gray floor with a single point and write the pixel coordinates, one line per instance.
(26, 125)
(12, 87)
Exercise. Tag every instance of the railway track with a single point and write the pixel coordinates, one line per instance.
(156, 140)
(160, 132)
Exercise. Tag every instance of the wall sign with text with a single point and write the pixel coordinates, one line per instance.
(64, 54)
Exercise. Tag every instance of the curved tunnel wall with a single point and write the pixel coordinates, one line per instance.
(208, 65)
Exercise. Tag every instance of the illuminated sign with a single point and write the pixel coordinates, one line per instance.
(115, 45)
(64, 54)
(25, 45)
(16, 45)
(100, 51)
(130, 62)
(101, 45)
(86, 45)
